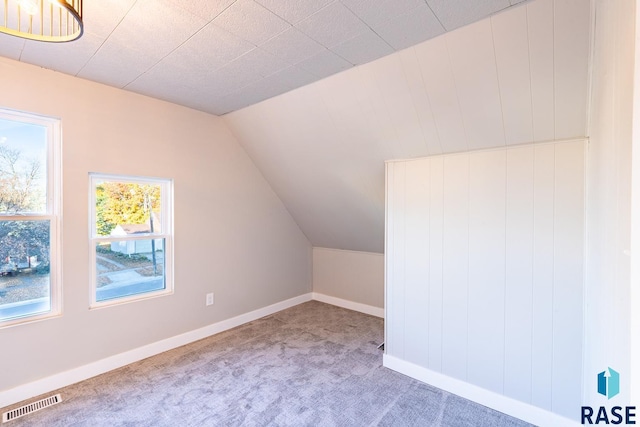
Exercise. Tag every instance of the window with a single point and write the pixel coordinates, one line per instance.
(131, 238)
(29, 217)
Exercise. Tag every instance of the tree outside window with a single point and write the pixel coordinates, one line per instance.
(28, 218)
(131, 219)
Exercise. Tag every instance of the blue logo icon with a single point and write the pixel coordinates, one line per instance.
(609, 383)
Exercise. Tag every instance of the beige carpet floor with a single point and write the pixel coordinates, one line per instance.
(310, 365)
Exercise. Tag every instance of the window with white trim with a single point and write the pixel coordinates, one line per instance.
(131, 238)
(30, 271)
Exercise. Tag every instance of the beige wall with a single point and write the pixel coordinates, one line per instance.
(353, 276)
(233, 236)
(635, 219)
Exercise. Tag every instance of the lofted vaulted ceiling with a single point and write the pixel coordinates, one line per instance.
(518, 77)
(322, 92)
(221, 55)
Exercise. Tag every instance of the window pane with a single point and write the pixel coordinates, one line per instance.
(23, 167)
(25, 286)
(127, 208)
(129, 267)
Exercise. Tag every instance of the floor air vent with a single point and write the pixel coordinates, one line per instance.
(30, 408)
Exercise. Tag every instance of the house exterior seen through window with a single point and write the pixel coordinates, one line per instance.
(29, 217)
(131, 238)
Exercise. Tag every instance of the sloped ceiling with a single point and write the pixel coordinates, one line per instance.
(221, 55)
(518, 77)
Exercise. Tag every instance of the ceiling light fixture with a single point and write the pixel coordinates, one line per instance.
(42, 20)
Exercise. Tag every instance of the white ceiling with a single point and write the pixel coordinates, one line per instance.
(520, 76)
(221, 55)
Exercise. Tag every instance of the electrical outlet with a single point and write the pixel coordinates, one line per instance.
(210, 298)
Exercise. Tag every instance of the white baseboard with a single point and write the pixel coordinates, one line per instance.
(504, 404)
(63, 379)
(355, 306)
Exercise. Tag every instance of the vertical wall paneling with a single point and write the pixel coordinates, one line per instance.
(611, 284)
(397, 333)
(437, 76)
(543, 261)
(398, 105)
(476, 80)
(485, 354)
(361, 84)
(570, 60)
(485, 269)
(519, 273)
(436, 217)
(420, 101)
(540, 30)
(568, 280)
(366, 87)
(511, 43)
(455, 265)
(416, 293)
(389, 279)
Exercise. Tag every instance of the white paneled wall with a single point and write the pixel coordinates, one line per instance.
(484, 279)
(612, 183)
(542, 276)
(455, 266)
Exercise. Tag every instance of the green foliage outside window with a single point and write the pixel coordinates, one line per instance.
(119, 203)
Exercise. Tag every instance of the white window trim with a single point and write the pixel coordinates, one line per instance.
(166, 219)
(53, 212)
